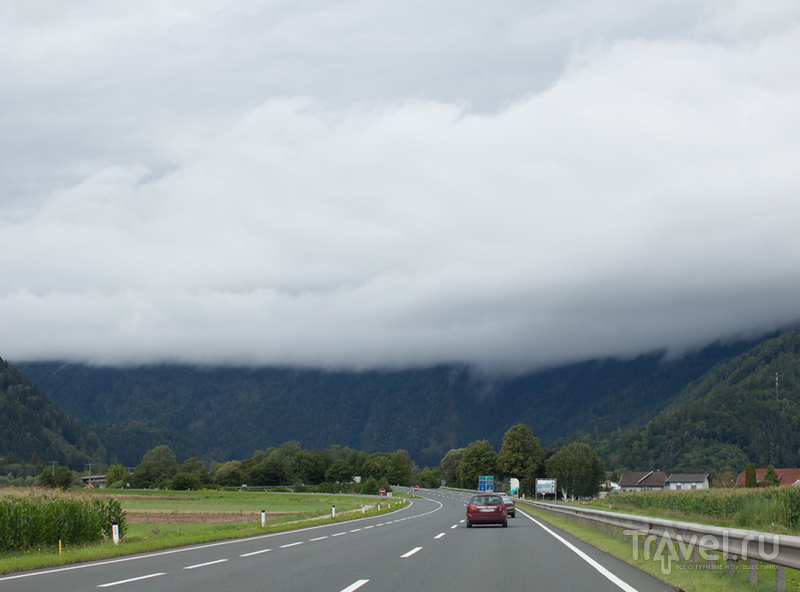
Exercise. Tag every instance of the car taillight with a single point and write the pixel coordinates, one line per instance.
(502, 508)
(471, 508)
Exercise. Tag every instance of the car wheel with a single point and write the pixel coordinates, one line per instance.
(469, 524)
(513, 514)
(505, 524)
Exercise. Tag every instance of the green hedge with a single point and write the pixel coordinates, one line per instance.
(36, 521)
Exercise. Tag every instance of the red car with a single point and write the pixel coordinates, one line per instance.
(486, 508)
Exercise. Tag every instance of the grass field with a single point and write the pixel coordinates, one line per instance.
(165, 519)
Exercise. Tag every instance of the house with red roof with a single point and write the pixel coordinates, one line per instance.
(787, 476)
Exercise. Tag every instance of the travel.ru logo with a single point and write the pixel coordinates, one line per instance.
(668, 549)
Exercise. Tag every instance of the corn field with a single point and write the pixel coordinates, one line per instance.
(749, 508)
(43, 520)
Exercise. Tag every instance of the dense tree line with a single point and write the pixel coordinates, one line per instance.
(576, 467)
(289, 465)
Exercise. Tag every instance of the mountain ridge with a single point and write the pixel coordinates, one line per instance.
(229, 413)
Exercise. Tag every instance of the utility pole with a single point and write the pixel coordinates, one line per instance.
(776, 386)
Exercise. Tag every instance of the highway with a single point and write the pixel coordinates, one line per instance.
(424, 546)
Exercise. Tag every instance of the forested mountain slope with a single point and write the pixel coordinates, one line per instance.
(734, 414)
(231, 412)
(31, 427)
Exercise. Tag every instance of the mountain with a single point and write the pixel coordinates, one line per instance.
(34, 428)
(229, 413)
(746, 409)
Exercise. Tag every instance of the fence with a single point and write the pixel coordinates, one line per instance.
(735, 544)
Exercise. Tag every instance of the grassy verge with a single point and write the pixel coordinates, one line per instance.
(683, 575)
(294, 511)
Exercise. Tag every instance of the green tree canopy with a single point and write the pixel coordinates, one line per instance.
(771, 478)
(577, 469)
(116, 473)
(750, 475)
(479, 459)
(158, 465)
(450, 465)
(340, 472)
(521, 453)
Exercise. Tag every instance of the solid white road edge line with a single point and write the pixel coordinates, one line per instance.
(153, 575)
(611, 577)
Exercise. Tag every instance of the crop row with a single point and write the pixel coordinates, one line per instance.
(777, 504)
(36, 521)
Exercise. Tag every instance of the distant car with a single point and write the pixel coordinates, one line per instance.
(486, 508)
(511, 509)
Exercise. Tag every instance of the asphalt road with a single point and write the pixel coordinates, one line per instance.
(422, 547)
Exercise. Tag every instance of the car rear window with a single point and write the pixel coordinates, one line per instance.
(487, 500)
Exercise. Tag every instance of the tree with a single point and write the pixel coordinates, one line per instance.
(47, 478)
(450, 465)
(577, 469)
(116, 473)
(479, 459)
(340, 472)
(63, 478)
(771, 478)
(310, 467)
(400, 468)
(750, 475)
(229, 473)
(521, 453)
(158, 465)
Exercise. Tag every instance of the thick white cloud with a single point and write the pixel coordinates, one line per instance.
(361, 185)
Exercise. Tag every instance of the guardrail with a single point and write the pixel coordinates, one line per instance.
(676, 541)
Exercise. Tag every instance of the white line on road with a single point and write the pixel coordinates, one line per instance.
(292, 544)
(411, 552)
(355, 585)
(205, 564)
(256, 553)
(624, 585)
(322, 538)
(440, 535)
(454, 526)
(338, 534)
(153, 575)
(356, 530)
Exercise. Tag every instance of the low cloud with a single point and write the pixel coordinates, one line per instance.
(644, 197)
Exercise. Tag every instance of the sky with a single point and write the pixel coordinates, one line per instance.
(358, 184)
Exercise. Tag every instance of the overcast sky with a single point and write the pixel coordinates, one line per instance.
(362, 183)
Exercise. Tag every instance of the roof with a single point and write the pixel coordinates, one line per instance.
(687, 478)
(787, 476)
(643, 479)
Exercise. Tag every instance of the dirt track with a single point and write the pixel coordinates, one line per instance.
(173, 517)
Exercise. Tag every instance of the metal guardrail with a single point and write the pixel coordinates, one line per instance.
(682, 540)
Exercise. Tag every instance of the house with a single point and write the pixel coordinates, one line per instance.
(643, 481)
(787, 476)
(687, 481)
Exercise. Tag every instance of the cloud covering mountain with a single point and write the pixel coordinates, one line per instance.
(365, 184)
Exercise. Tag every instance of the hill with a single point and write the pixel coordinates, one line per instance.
(33, 428)
(231, 412)
(732, 415)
